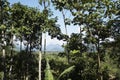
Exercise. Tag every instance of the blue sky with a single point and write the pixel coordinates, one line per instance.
(71, 28)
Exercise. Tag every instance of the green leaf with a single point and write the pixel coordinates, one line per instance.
(66, 71)
(75, 51)
(48, 73)
(2, 27)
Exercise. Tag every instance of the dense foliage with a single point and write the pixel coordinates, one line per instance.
(91, 54)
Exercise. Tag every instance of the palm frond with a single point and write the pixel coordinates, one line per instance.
(48, 73)
(66, 71)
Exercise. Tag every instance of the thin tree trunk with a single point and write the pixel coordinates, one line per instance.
(20, 44)
(3, 51)
(27, 52)
(40, 55)
(26, 76)
(66, 34)
(3, 39)
(98, 57)
(30, 46)
(45, 8)
(40, 44)
(45, 44)
(64, 22)
(80, 40)
(11, 66)
(21, 73)
(21, 39)
(26, 73)
(99, 73)
(27, 47)
(4, 74)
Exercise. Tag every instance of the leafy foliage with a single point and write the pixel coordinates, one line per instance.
(66, 71)
(93, 54)
(48, 73)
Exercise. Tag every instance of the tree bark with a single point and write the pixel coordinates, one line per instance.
(40, 55)
(45, 8)
(45, 44)
(3, 51)
(98, 57)
(20, 44)
(80, 40)
(11, 66)
(68, 57)
(3, 40)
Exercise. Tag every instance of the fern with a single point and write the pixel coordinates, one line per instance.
(66, 71)
(48, 73)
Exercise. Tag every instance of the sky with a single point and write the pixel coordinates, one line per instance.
(71, 28)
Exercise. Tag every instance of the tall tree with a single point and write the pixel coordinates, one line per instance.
(27, 28)
(94, 15)
(45, 4)
(4, 16)
(66, 21)
(49, 26)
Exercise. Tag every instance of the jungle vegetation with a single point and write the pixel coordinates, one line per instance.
(91, 54)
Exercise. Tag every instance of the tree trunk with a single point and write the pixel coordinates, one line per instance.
(99, 73)
(64, 22)
(45, 8)
(26, 76)
(26, 73)
(20, 44)
(3, 40)
(30, 42)
(4, 74)
(3, 52)
(45, 44)
(98, 57)
(80, 40)
(11, 66)
(40, 55)
(66, 34)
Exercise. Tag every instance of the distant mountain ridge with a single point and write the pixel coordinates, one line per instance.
(54, 47)
(49, 47)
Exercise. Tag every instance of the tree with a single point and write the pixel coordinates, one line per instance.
(92, 14)
(49, 26)
(60, 6)
(75, 44)
(4, 16)
(28, 27)
(46, 4)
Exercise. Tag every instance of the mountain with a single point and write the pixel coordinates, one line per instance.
(54, 47)
(50, 47)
